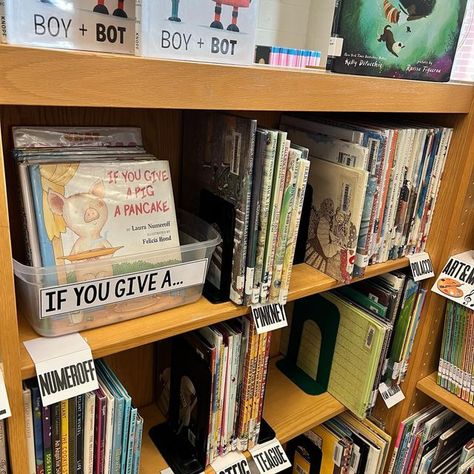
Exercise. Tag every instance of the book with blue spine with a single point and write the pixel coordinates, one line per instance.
(131, 441)
(37, 427)
(137, 445)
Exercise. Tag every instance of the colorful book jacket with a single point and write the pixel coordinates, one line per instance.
(407, 39)
(87, 210)
(336, 212)
(218, 156)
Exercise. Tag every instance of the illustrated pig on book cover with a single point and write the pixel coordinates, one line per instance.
(409, 39)
(90, 211)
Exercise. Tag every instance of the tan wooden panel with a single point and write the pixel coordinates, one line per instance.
(92, 79)
(135, 369)
(9, 342)
(429, 386)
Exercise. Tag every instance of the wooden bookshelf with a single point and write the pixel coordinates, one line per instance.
(85, 79)
(429, 386)
(118, 337)
(288, 410)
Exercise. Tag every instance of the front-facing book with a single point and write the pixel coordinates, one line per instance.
(205, 30)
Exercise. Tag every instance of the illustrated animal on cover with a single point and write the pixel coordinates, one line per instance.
(85, 214)
(407, 10)
(393, 46)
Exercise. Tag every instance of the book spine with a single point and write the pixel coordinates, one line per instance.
(287, 206)
(242, 227)
(210, 446)
(260, 141)
(72, 434)
(89, 425)
(99, 433)
(332, 53)
(47, 444)
(56, 436)
(466, 354)
(131, 441)
(303, 173)
(138, 27)
(65, 437)
(470, 369)
(253, 434)
(224, 401)
(264, 382)
(445, 357)
(265, 197)
(37, 429)
(138, 444)
(278, 187)
(30, 438)
(79, 449)
(245, 402)
(3, 449)
(3, 22)
(384, 186)
(240, 396)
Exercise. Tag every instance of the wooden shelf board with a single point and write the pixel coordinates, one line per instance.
(429, 386)
(76, 78)
(125, 335)
(288, 410)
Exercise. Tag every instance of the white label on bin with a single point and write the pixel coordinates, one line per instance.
(269, 317)
(64, 367)
(90, 294)
(4, 405)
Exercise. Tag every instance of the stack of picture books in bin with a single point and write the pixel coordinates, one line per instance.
(343, 444)
(378, 319)
(250, 182)
(211, 386)
(456, 364)
(434, 440)
(4, 466)
(95, 205)
(99, 431)
(374, 187)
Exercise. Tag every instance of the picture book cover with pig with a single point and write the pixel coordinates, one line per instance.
(94, 211)
(408, 39)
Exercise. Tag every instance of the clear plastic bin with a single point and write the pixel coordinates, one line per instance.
(37, 288)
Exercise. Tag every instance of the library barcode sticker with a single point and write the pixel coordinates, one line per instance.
(5, 411)
(64, 367)
(421, 267)
(270, 457)
(269, 317)
(391, 395)
(232, 463)
(56, 300)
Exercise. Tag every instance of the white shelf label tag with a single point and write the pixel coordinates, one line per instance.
(232, 463)
(90, 294)
(269, 317)
(456, 281)
(335, 46)
(64, 367)
(421, 267)
(391, 395)
(4, 405)
(168, 470)
(270, 457)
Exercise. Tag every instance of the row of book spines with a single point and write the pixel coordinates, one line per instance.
(456, 365)
(282, 173)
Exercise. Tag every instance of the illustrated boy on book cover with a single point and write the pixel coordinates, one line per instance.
(411, 39)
